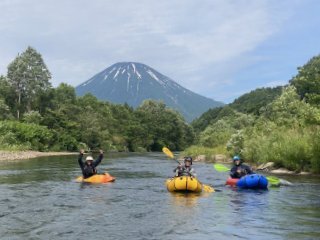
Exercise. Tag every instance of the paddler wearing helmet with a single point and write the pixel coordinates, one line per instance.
(186, 169)
(239, 169)
(88, 167)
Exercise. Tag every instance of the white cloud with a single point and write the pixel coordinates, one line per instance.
(200, 44)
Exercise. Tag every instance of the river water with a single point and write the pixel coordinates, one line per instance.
(40, 200)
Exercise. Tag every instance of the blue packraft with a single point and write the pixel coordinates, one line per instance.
(253, 181)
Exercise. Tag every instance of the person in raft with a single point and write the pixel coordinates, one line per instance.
(186, 170)
(239, 170)
(88, 167)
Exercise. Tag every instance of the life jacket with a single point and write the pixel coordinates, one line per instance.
(244, 170)
(89, 171)
(185, 171)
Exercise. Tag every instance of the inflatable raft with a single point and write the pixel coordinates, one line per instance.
(232, 181)
(184, 184)
(98, 178)
(252, 181)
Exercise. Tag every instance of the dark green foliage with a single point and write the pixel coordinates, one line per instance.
(6, 99)
(307, 81)
(315, 149)
(212, 116)
(165, 127)
(29, 135)
(249, 103)
(253, 101)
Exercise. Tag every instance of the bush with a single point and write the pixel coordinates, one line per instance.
(216, 134)
(32, 117)
(295, 149)
(26, 134)
(235, 144)
(8, 141)
(315, 150)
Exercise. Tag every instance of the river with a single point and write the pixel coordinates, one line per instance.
(40, 200)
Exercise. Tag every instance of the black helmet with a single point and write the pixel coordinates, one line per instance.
(188, 159)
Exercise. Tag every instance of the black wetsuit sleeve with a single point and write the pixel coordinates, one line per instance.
(248, 170)
(81, 164)
(98, 160)
(233, 172)
(177, 168)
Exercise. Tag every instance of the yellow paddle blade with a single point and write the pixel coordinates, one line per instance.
(207, 188)
(167, 152)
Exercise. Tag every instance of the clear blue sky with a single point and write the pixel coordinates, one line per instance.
(220, 49)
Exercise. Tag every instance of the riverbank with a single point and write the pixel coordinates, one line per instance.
(19, 155)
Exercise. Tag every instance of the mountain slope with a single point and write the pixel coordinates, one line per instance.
(248, 103)
(253, 101)
(129, 82)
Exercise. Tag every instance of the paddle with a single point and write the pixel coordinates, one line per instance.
(222, 168)
(167, 152)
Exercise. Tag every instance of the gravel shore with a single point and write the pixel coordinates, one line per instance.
(18, 155)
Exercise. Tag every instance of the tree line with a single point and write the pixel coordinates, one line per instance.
(36, 116)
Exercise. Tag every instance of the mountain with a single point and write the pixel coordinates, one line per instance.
(132, 83)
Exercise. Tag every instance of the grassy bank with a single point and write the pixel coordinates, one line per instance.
(296, 149)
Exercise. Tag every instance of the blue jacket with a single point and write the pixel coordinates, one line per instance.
(89, 170)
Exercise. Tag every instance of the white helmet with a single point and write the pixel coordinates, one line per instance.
(89, 158)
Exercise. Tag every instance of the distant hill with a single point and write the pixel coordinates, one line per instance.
(132, 83)
(250, 103)
(253, 101)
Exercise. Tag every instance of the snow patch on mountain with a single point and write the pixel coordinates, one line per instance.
(113, 69)
(116, 73)
(134, 67)
(153, 75)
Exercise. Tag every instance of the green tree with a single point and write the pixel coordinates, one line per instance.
(216, 134)
(4, 110)
(253, 101)
(32, 117)
(64, 94)
(288, 109)
(307, 81)
(164, 126)
(29, 77)
(6, 98)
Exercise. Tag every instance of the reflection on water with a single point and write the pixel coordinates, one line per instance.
(184, 199)
(40, 200)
